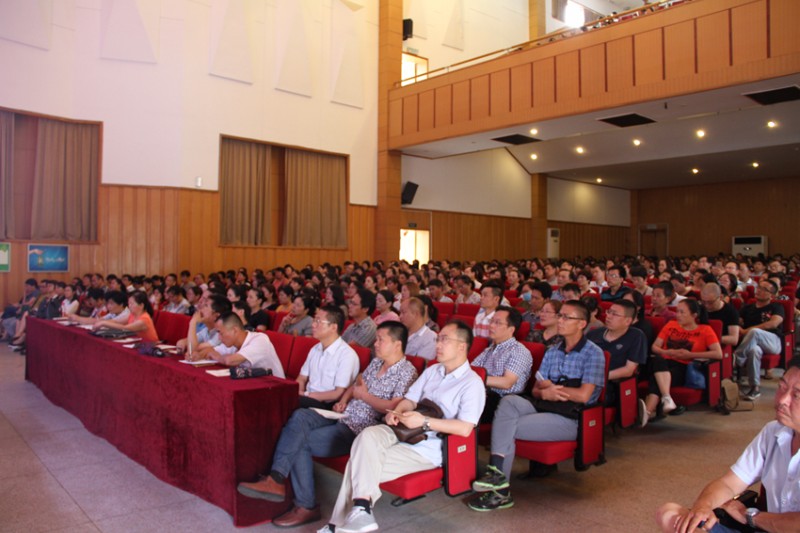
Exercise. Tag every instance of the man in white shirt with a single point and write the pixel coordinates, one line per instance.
(253, 349)
(771, 458)
(436, 291)
(421, 339)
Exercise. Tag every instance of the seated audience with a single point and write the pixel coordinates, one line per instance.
(202, 327)
(383, 303)
(491, 296)
(140, 320)
(362, 330)
(616, 290)
(547, 330)
(534, 294)
(436, 292)
(299, 321)
(711, 298)
(639, 279)
(177, 300)
(663, 295)
(465, 287)
(259, 319)
(248, 348)
(421, 339)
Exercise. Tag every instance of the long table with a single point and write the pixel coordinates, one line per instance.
(195, 431)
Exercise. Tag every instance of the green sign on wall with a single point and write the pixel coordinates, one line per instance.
(5, 256)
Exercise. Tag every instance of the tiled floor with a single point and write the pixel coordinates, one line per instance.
(56, 476)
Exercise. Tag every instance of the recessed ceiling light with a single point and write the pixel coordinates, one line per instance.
(599, 180)
(580, 149)
(772, 124)
(637, 142)
(534, 157)
(695, 171)
(534, 131)
(700, 133)
(755, 164)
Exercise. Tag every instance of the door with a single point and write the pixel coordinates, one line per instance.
(415, 245)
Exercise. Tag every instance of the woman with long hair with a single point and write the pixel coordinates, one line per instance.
(140, 320)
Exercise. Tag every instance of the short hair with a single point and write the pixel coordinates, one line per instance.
(580, 307)
(496, 289)
(32, 282)
(335, 316)
(774, 286)
(544, 289)
(258, 293)
(638, 272)
(629, 308)
(118, 297)
(678, 278)
(185, 273)
(514, 316)
(417, 305)
(435, 282)
(219, 304)
(387, 295)
(396, 330)
(231, 320)
(467, 280)
(177, 290)
(243, 307)
(463, 332)
(666, 287)
(794, 362)
(589, 301)
(367, 300)
(572, 287)
(96, 294)
(618, 268)
(711, 289)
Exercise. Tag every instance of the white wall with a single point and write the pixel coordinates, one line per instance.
(573, 201)
(168, 77)
(604, 7)
(449, 31)
(489, 183)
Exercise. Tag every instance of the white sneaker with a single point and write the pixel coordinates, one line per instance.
(668, 404)
(358, 521)
(644, 416)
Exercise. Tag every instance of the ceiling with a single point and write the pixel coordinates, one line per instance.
(736, 135)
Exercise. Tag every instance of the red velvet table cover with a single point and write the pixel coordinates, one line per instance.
(195, 431)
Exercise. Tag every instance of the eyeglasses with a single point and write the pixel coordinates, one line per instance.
(444, 339)
(614, 313)
(318, 321)
(565, 317)
(498, 323)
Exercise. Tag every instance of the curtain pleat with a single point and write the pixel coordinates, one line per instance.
(244, 193)
(6, 174)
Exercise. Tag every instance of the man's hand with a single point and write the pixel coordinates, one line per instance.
(391, 418)
(181, 345)
(412, 419)
(555, 393)
(689, 519)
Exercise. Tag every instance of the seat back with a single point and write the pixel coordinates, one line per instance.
(467, 309)
(726, 365)
(283, 346)
(300, 348)
(522, 332)
(275, 322)
(419, 363)
(172, 327)
(364, 355)
(445, 308)
(656, 322)
(479, 344)
(537, 353)
(469, 320)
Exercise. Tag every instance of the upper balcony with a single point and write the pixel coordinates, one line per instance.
(697, 46)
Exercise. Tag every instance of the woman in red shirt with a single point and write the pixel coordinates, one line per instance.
(680, 342)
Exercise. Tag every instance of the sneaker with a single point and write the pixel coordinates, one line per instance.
(667, 404)
(325, 529)
(491, 501)
(753, 394)
(358, 521)
(493, 479)
(644, 416)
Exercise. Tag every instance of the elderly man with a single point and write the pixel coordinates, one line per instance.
(309, 434)
(771, 458)
(377, 456)
(421, 338)
(507, 362)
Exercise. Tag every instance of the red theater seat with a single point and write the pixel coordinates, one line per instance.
(172, 327)
(283, 346)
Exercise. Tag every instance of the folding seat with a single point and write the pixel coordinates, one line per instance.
(419, 363)
(726, 366)
(172, 327)
(467, 309)
(773, 360)
(445, 308)
(443, 319)
(511, 294)
(283, 346)
(479, 344)
(514, 302)
(364, 355)
(466, 319)
(300, 348)
(522, 333)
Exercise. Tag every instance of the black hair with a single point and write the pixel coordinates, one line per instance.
(396, 330)
(140, 297)
(463, 331)
(338, 294)
(367, 299)
(666, 287)
(241, 304)
(544, 289)
(696, 309)
(219, 304)
(309, 302)
(514, 316)
(630, 308)
(335, 315)
(581, 306)
(118, 297)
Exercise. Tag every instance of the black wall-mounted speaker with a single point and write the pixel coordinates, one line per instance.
(408, 29)
(409, 191)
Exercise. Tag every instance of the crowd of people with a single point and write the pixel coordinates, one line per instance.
(394, 311)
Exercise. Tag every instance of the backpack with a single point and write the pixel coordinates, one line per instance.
(729, 398)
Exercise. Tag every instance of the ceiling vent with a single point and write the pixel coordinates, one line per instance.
(625, 121)
(516, 139)
(776, 96)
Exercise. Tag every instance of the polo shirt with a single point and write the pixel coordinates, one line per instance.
(260, 353)
(422, 343)
(327, 369)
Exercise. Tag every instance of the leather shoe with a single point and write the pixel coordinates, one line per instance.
(297, 516)
(265, 488)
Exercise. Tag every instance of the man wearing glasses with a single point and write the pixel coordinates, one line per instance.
(377, 456)
(572, 370)
(616, 290)
(362, 331)
(331, 365)
(761, 325)
(507, 362)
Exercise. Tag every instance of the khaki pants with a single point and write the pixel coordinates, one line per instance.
(376, 457)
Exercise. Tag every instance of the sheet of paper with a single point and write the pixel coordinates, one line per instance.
(331, 415)
(220, 373)
(199, 363)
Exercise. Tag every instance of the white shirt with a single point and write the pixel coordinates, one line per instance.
(260, 353)
(460, 395)
(337, 366)
(422, 343)
(769, 459)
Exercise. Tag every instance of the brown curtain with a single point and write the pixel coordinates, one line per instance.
(65, 181)
(316, 200)
(6, 174)
(244, 192)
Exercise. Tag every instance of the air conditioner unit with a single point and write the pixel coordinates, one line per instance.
(749, 244)
(553, 237)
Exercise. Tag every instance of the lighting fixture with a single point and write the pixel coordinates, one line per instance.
(580, 149)
(534, 157)
(599, 180)
(695, 171)
(700, 133)
(772, 124)
(754, 164)
(534, 131)
(637, 142)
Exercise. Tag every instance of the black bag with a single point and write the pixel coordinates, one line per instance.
(240, 372)
(426, 408)
(109, 333)
(568, 409)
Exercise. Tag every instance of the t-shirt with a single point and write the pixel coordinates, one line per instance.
(632, 346)
(149, 333)
(259, 318)
(728, 315)
(608, 296)
(260, 353)
(753, 316)
(327, 369)
(696, 340)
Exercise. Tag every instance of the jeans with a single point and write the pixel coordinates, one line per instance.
(306, 435)
(756, 343)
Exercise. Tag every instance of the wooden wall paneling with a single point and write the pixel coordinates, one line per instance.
(619, 60)
(593, 70)
(679, 50)
(444, 106)
(410, 114)
(500, 92)
(749, 32)
(114, 236)
(783, 35)
(479, 97)
(590, 239)
(426, 110)
(713, 42)
(648, 57)
(460, 236)
(568, 77)
(395, 117)
(461, 101)
(544, 82)
(521, 92)
(155, 228)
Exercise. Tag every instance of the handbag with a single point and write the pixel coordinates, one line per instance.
(426, 408)
(568, 409)
(695, 378)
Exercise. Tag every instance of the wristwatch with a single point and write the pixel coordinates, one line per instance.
(426, 424)
(751, 514)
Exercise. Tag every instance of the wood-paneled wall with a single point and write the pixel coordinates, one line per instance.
(479, 237)
(591, 239)
(149, 230)
(703, 218)
(697, 46)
